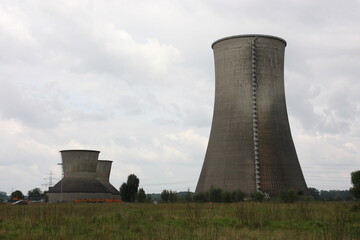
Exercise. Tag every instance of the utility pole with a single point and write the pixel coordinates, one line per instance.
(62, 176)
(50, 180)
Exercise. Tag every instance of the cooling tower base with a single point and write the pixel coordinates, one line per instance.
(71, 197)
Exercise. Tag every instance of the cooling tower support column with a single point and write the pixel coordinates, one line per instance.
(250, 145)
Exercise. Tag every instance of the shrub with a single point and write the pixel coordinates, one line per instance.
(17, 194)
(141, 196)
(258, 197)
(188, 196)
(237, 196)
(201, 197)
(288, 196)
(215, 195)
(227, 197)
(169, 196)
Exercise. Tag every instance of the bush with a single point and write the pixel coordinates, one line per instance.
(35, 194)
(188, 196)
(201, 197)
(238, 196)
(288, 196)
(141, 196)
(314, 193)
(215, 195)
(17, 194)
(165, 195)
(169, 196)
(258, 196)
(172, 196)
(226, 197)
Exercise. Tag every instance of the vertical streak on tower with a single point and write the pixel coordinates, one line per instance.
(250, 145)
(254, 111)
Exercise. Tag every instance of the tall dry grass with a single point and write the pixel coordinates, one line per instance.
(246, 220)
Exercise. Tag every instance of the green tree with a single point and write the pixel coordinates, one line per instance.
(124, 193)
(148, 198)
(238, 196)
(17, 194)
(355, 180)
(226, 197)
(173, 196)
(165, 195)
(188, 196)
(258, 196)
(132, 186)
(129, 189)
(215, 195)
(288, 196)
(141, 195)
(201, 197)
(35, 194)
(169, 196)
(314, 193)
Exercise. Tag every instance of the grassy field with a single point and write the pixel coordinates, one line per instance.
(247, 220)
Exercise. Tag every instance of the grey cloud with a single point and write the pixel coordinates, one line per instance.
(343, 106)
(92, 75)
(20, 105)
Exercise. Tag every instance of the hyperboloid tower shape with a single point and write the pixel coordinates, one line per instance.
(250, 146)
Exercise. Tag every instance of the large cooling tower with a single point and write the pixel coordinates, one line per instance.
(103, 174)
(80, 178)
(250, 146)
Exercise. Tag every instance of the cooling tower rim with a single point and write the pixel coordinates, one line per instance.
(248, 35)
(104, 160)
(79, 150)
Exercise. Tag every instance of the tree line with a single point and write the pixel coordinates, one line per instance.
(130, 192)
(33, 195)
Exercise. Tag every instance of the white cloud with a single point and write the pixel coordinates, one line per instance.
(13, 26)
(152, 54)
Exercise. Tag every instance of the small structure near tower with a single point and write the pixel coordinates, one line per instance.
(85, 177)
(103, 174)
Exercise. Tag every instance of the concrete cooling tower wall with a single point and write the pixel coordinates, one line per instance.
(250, 146)
(80, 178)
(103, 174)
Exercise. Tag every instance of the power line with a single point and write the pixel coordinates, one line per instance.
(50, 178)
(328, 177)
(168, 183)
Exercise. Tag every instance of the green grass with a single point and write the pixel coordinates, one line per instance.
(247, 220)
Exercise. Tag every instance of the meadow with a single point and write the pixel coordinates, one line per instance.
(208, 221)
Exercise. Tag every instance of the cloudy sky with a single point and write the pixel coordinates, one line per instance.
(135, 80)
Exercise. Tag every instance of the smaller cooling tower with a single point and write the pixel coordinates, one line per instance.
(103, 174)
(80, 178)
